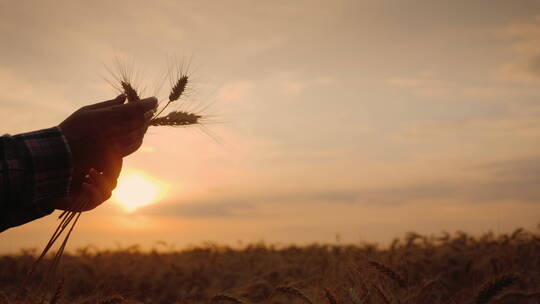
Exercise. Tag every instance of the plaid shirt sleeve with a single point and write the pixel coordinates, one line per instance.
(34, 166)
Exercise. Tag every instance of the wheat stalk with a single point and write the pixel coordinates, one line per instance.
(493, 288)
(113, 300)
(381, 294)
(295, 292)
(174, 118)
(178, 87)
(58, 292)
(225, 298)
(330, 296)
(180, 80)
(67, 218)
(176, 92)
(389, 272)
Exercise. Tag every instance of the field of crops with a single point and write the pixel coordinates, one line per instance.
(448, 268)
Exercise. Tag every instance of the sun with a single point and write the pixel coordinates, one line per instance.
(135, 190)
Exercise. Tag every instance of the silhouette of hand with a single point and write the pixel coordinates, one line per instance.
(99, 135)
(95, 190)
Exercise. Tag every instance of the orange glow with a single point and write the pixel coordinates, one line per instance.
(136, 190)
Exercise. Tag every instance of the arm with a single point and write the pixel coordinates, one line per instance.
(46, 170)
(34, 167)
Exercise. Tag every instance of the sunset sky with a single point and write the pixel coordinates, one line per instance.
(363, 119)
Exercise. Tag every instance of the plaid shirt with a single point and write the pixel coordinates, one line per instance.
(34, 166)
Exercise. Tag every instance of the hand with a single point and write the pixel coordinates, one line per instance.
(110, 122)
(96, 189)
(99, 135)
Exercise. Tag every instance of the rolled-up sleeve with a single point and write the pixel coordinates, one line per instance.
(34, 166)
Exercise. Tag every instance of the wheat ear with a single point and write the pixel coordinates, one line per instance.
(389, 272)
(381, 294)
(178, 88)
(176, 92)
(226, 298)
(494, 287)
(176, 118)
(129, 90)
(330, 296)
(113, 300)
(58, 292)
(295, 292)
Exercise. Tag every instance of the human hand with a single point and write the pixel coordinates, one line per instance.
(99, 135)
(96, 188)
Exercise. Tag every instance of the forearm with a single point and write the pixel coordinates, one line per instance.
(34, 167)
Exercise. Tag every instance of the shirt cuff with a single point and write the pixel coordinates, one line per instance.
(52, 163)
(22, 214)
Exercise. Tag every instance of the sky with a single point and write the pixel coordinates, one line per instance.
(329, 121)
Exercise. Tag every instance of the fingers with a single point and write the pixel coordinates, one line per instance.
(134, 109)
(144, 105)
(109, 162)
(120, 99)
(148, 115)
(131, 141)
(104, 156)
(112, 167)
(97, 189)
(91, 195)
(128, 117)
(102, 183)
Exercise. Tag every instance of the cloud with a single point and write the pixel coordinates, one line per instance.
(508, 180)
(514, 180)
(486, 87)
(524, 40)
(325, 80)
(424, 83)
(526, 169)
(235, 91)
(514, 125)
(534, 65)
(211, 208)
(293, 87)
(294, 83)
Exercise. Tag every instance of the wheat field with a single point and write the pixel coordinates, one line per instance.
(448, 268)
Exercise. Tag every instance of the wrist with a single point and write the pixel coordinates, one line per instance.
(51, 163)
